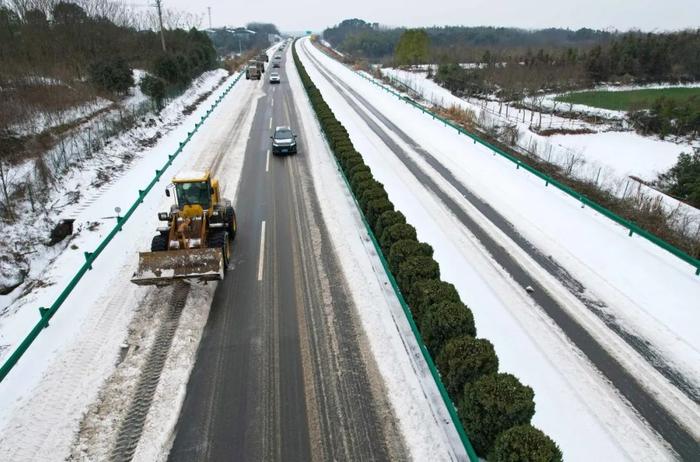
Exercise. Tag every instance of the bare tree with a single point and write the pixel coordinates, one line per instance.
(4, 184)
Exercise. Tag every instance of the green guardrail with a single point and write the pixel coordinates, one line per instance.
(409, 317)
(632, 228)
(47, 313)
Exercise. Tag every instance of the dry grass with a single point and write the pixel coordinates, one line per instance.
(23, 100)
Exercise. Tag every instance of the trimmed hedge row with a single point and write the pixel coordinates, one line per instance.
(494, 408)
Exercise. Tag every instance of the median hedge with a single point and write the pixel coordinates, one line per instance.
(525, 443)
(493, 407)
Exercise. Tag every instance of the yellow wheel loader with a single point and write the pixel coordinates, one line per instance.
(196, 243)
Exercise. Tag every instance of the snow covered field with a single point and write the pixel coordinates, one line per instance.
(607, 157)
(647, 290)
(623, 152)
(549, 100)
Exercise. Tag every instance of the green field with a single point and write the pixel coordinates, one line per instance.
(627, 100)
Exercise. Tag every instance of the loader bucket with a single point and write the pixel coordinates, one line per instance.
(163, 268)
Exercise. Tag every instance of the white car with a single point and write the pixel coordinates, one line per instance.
(274, 77)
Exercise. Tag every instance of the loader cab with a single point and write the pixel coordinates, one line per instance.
(194, 188)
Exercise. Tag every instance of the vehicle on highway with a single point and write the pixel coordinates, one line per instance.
(278, 57)
(275, 65)
(196, 243)
(284, 141)
(274, 77)
(252, 71)
(263, 57)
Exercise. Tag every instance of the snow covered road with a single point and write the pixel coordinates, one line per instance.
(430, 161)
(303, 351)
(43, 398)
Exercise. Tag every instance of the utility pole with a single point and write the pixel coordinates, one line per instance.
(209, 9)
(160, 22)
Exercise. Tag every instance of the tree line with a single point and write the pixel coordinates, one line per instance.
(253, 36)
(455, 43)
(97, 43)
(542, 59)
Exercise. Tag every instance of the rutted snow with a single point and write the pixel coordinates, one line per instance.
(411, 390)
(42, 399)
(646, 288)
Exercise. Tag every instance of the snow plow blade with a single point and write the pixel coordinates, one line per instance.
(163, 268)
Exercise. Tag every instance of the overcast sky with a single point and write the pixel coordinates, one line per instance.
(298, 15)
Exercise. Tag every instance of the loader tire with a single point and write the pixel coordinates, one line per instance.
(159, 243)
(232, 223)
(219, 240)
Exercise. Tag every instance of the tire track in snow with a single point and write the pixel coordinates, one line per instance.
(132, 425)
(35, 431)
(629, 387)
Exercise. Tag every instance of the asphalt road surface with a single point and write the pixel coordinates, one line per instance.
(281, 373)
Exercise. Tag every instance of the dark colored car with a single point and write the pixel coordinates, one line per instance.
(276, 65)
(284, 141)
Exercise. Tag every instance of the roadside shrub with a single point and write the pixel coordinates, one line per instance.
(338, 133)
(343, 143)
(172, 68)
(362, 186)
(683, 179)
(375, 208)
(154, 88)
(359, 177)
(343, 154)
(350, 161)
(113, 75)
(395, 233)
(444, 321)
(387, 219)
(429, 292)
(416, 268)
(371, 193)
(524, 443)
(404, 249)
(464, 359)
(492, 404)
(357, 169)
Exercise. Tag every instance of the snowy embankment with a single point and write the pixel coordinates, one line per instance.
(644, 288)
(45, 395)
(76, 187)
(416, 402)
(607, 157)
(624, 152)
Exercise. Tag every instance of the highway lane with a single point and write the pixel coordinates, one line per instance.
(628, 385)
(280, 373)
